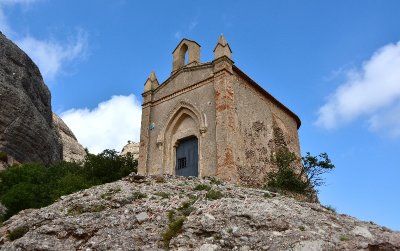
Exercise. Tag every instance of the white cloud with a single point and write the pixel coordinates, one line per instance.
(51, 55)
(109, 126)
(192, 25)
(4, 27)
(5, 2)
(178, 35)
(371, 91)
(387, 122)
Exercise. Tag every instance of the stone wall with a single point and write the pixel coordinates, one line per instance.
(167, 102)
(263, 127)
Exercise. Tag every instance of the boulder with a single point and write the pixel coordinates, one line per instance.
(72, 150)
(27, 133)
(131, 147)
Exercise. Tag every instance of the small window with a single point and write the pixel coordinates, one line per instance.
(181, 163)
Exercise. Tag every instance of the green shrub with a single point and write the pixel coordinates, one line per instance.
(3, 156)
(201, 187)
(139, 196)
(285, 178)
(18, 233)
(186, 207)
(214, 195)
(33, 185)
(306, 180)
(173, 228)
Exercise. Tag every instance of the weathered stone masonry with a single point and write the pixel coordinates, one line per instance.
(237, 124)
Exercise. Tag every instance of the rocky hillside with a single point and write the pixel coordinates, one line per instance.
(27, 132)
(72, 150)
(155, 213)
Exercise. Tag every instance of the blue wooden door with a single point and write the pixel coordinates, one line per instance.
(187, 158)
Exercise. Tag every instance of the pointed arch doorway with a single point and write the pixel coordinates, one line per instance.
(187, 157)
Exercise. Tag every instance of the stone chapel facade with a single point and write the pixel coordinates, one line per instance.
(211, 119)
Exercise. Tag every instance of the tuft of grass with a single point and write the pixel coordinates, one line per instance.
(267, 195)
(214, 195)
(201, 187)
(159, 179)
(186, 207)
(76, 210)
(98, 208)
(106, 196)
(344, 237)
(18, 233)
(176, 220)
(302, 228)
(216, 181)
(163, 195)
(173, 228)
(139, 196)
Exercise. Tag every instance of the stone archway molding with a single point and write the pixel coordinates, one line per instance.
(174, 115)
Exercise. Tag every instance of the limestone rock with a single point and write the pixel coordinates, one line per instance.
(131, 147)
(26, 126)
(127, 215)
(72, 150)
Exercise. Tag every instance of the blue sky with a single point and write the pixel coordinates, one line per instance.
(334, 63)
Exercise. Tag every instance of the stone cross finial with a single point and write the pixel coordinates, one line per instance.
(222, 48)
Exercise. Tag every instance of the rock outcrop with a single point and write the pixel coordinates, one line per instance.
(154, 213)
(26, 126)
(131, 147)
(72, 150)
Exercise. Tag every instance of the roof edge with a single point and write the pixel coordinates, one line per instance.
(183, 39)
(267, 94)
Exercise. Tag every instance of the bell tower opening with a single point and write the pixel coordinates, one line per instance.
(183, 55)
(186, 53)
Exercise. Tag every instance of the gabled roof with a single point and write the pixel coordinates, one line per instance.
(267, 94)
(185, 39)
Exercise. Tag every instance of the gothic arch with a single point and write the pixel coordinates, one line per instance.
(183, 121)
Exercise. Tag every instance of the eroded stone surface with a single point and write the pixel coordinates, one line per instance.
(72, 150)
(131, 147)
(128, 215)
(26, 126)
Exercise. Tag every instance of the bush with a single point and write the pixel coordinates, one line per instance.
(306, 181)
(214, 195)
(34, 185)
(3, 156)
(18, 233)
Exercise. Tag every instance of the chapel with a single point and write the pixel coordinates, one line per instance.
(211, 119)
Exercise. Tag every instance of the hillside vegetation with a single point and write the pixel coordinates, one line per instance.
(35, 185)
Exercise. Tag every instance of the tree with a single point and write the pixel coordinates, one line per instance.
(314, 167)
(306, 181)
